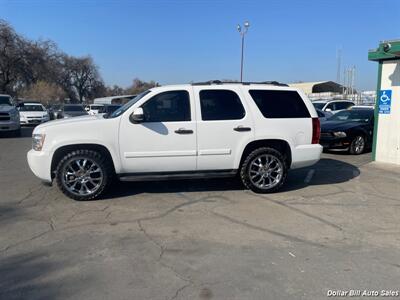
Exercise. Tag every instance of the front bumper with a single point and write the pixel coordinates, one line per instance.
(335, 143)
(9, 126)
(40, 164)
(33, 121)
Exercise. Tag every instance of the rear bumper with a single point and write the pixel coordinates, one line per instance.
(40, 164)
(9, 126)
(305, 155)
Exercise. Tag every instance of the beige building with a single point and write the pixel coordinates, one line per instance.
(318, 87)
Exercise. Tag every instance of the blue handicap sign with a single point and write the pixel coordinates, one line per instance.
(384, 101)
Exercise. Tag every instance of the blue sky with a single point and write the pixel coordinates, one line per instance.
(181, 41)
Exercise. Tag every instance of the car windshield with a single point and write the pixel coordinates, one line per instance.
(31, 107)
(319, 105)
(5, 100)
(356, 115)
(74, 108)
(125, 107)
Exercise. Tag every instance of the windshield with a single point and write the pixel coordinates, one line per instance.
(73, 108)
(31, 107)
(356, 115)
(124, 108)
(319, 105)
(5, 100)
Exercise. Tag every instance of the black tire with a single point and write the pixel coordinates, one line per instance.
(104, 164)
(355, 147)
(245, 170)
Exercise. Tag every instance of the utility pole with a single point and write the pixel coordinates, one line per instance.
(243, 32)
(339, 62)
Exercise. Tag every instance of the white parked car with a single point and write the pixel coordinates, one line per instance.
(332, 106)
(32, 113)
(93, 109)
(258, 131)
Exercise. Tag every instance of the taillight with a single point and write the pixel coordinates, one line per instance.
(316, 131)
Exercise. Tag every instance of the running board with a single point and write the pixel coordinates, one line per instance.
(176, 175)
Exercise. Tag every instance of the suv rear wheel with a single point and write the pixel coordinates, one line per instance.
(83, 174)
(264, 170)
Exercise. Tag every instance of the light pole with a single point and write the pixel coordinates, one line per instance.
(243, 32)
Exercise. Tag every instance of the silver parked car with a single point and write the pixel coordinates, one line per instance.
(9, 115)
(332, 106)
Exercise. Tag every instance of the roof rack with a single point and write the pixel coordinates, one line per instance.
(210, 82)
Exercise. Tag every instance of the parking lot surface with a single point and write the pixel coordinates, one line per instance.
(334, 226)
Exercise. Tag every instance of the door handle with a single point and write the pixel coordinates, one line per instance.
(183, 131)
(242, 128)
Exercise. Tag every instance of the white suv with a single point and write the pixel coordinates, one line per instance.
(211, 129)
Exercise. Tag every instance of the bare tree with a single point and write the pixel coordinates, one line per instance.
(115, 90)
(10, 58)
(38, 69)
(79, 76)
(139, 86)
(45, 92)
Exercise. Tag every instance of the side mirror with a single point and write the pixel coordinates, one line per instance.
(137, 116)
(328, 109)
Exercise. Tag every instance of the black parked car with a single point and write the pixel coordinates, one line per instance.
(109, 108)
(350, 130)
(70, 110)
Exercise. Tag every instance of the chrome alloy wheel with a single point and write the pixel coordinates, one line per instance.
(359, 144)
(265, 171)
(82, 176)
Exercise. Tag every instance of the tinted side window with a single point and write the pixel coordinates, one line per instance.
(220, 105)
(171, 106)
(343, 105)
(331, 106)
(280, 104)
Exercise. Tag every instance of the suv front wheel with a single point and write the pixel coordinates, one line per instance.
(83, 174)
(264, 170)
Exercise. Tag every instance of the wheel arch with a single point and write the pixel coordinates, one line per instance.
(278, 144)
(60, 152)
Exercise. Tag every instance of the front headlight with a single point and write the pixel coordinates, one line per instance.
(38, 141)
(340, 134)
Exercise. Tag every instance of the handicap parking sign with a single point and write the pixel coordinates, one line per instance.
(385, 101)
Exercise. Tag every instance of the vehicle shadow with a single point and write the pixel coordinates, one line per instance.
(25, 132)
(326, 171)
(345, 153)
(33, 275)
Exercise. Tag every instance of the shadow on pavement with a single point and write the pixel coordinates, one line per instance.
(31, 276)
(326, 171)
(25, 132)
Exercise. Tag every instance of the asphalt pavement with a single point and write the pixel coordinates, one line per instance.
(334, 226)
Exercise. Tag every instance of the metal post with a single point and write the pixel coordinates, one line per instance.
(241, 61)
(242, 34)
